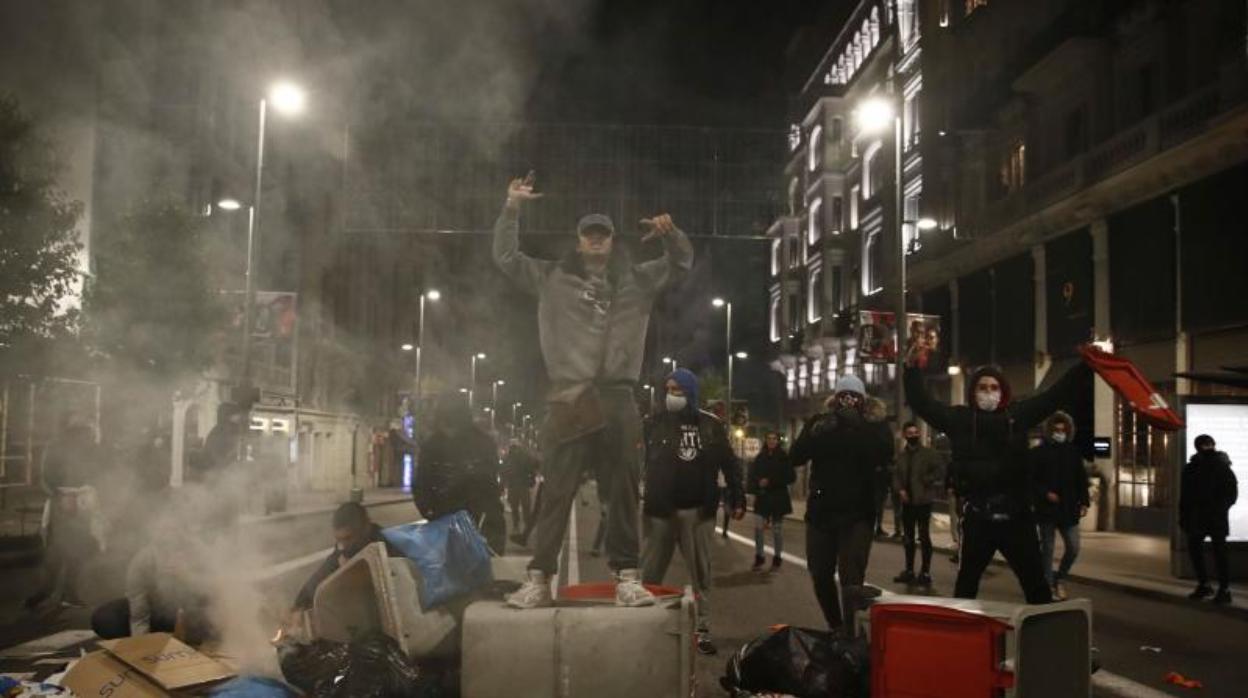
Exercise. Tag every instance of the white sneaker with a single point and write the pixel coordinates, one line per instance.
(534, 593)
(629, 591)
(1059, 591)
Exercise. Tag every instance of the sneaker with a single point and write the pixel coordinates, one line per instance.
(1200, 592)
(906, 577)
(534, 593)
(775, 563)
(759, 561)
(1223, 597)
(629, 590)
(1059, 591)
(924, 579)
(705, 645)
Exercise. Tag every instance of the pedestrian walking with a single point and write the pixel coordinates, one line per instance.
(845, 447)
(686, 451)
(1207, 491)
(768, 480)
(1061, 496)
(989, 470)
(918, 479)
(593, 311)
(459, 470)
(519, 476)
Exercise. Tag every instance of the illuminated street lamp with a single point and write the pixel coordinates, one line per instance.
(432, 294)
(721, 303)
(472, 387)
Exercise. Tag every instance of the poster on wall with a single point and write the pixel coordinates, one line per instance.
(1227, 423)
(877, 339)
(274, 338)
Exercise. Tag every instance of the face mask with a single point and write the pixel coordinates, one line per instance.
(988, 402)
(1059, 437)
(676, 403)
(912, 441)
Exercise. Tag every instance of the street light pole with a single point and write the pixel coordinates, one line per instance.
(721, 303)
(432, 295)
(249, 289)
(901, 319)
(472, 387)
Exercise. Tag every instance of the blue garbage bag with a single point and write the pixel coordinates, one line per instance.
(253, 687)
(450, 553)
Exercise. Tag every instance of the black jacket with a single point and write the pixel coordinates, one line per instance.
(662, 442)
(773, 500)
(519, 469)
(1207, 491)
(1058, 468)
(330, 566)
(457, 471)
(989, 466)
(844, 456)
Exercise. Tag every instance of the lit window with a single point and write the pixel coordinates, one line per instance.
(790, 382)
(795, 194)
(814, 227)
(815, 155)
(838, 215)
(814, 295)
(871, 170)
(910, 229)
(972, 5)
(908, 22)
(775, 256)
(855, 193)
(1014, 167)
(872, 263)
(816, 376)
(795, 258)
(910, 117)
(774, 315)
(803, 387)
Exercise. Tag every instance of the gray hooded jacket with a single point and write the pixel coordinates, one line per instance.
(591, 330)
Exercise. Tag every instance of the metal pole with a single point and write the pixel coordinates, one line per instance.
(728, 346)
(494, 406)
(253, 213)
(472, 384)
(420, 340)
(900, 319)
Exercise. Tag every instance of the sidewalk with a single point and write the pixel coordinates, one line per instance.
(1128, 562)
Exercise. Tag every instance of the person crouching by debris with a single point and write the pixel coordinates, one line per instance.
(687, 449)
(769, 478)
(845, 447)
(459, 470)
(353, 531)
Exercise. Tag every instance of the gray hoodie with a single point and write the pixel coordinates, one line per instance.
(591, 329)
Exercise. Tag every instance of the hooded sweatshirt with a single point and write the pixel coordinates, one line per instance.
(989, 466)
(1058, 468)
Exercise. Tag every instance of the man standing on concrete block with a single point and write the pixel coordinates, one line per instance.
(593, 309)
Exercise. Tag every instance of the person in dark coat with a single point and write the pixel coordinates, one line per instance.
(1207, 492)
(686, 451)
(844, 446)
(519, 476)
(989, 470)
(459, 470)
(1061, 496)
(769, 478)
(918, 478)
(70, 468)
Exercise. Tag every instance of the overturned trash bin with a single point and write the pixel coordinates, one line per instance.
(587, 649)
(926, 647)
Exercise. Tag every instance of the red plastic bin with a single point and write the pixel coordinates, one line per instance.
(920, 651)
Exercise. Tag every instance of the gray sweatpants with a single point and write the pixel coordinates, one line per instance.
(687, 530)
(613, 454)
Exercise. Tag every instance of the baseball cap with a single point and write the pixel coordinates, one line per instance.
(595, 220)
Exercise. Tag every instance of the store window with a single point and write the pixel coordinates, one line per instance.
(1143, 455)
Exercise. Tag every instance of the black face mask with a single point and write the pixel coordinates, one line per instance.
(912, 441)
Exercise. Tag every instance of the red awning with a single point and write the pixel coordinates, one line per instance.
(1131, 386)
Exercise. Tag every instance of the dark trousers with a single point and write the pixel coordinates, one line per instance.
(112, 620)
(727, 507)
(843, 549)
(917, 516)
(521, 507)
(1221, 563)
(1017, 541)
(881, 496)
(614, 452)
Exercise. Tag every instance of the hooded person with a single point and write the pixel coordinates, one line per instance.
(1207, 491)
(844, 446)
(769, 477)
(989, 470)
(1060, 481)
(459, 470)
(593, 311)
(687, 449)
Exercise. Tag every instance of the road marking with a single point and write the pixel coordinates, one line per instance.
(574, 558)
(1112, 684)
(50, 644)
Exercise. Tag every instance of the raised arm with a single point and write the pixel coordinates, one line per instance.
(677, 257)
(1033, 410)
(527, 272)
(935, 413)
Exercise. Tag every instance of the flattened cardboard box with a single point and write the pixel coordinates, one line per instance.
(149, 665)
(102, 674)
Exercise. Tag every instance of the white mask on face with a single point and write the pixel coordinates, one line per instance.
(987, 402)
(1059, 437)
(676, 403)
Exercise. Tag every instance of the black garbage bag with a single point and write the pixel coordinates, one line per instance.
(800, 662)
(376, 668)
(308, 666)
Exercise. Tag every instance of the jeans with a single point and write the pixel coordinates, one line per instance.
(687, 530)
(1016, 539)
(1070, 549)
(839, 552)
(777, 534)
(917, 516)
(615, 452)
(1196, 549)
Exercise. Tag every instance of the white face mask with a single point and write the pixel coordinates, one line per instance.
(1059, 437)
(676, 403)
(987, 402)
